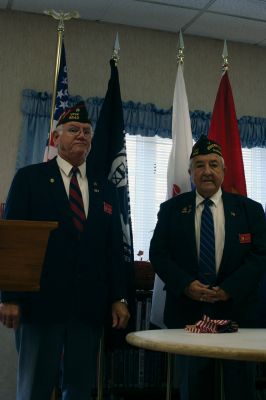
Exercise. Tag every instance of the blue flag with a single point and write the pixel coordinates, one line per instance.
(61, 103)
(108, 154)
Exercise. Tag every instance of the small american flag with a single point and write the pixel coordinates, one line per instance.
(61, 103)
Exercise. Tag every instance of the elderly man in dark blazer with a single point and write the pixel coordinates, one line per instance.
(83, 276)
(239, 263)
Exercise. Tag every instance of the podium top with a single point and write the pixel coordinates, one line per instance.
(22, 250)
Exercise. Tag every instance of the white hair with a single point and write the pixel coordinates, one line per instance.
(59, 128)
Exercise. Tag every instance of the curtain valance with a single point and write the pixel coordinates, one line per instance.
(140, 119)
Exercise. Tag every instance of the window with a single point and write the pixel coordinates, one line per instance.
(255, 167)
(147, 166)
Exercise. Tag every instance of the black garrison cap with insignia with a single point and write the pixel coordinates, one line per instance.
(77, 113)
(205, 146)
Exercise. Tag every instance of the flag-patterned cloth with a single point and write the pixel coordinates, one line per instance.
(108, 156)
(224, 130)
(61, 103)
(178, 179)
(208, 325)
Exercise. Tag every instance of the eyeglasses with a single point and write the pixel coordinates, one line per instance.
(75, 130)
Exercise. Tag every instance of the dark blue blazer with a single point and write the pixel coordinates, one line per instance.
(173, 254)
(84, 273)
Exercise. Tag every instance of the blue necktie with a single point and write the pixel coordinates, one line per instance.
(207, 267)
(76, 201)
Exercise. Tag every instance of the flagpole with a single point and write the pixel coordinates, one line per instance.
(101, 357)
(180, 49)
(225, 65)
(169, 374)
(61, 17)
(178, 179)
(116, 49)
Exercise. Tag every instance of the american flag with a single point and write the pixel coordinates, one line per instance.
(61, 104)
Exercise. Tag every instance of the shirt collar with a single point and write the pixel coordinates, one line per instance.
(66, 167)
(215, 198)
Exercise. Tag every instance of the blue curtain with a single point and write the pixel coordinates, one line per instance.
(140, 119)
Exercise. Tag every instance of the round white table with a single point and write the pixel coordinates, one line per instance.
(246, 344)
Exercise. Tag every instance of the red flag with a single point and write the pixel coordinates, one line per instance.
(224, 130)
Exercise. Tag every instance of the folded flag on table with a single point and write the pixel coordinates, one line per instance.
(208, 325)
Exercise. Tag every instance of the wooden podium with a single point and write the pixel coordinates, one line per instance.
(22, 250)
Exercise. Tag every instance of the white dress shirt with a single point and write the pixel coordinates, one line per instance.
(218, 218)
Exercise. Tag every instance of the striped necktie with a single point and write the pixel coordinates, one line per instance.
(76, 201)
(207, 265)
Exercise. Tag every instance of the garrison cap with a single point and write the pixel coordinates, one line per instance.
(77, 113)
(205, 146)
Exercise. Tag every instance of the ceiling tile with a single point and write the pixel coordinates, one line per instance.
(88, 9)
(229, 28)
(197, 4)
(253, 9)
(147, 15)
(237, 20)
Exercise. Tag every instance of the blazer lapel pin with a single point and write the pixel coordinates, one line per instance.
(52, 180)
(95, 187)
(233, 213)
(187, 209)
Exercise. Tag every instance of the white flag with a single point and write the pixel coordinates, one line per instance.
(178, 178)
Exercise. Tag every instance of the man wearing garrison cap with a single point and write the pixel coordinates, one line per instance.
(83, 277)
(209, 249)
